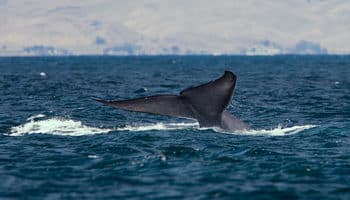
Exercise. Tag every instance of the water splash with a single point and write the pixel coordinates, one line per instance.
(279, 131)
(68, 127)
(36, 117)
(159, 126)
(56, 126)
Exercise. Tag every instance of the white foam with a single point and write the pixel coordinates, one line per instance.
(92, 156)
(68, 127)
(56, 126)
(279, 131)
(36, 117)
(159, 126)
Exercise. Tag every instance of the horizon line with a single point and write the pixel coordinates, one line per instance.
(167, 55)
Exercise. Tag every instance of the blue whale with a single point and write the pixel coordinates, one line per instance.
(205, 103)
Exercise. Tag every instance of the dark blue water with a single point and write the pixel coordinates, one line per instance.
(56, 143)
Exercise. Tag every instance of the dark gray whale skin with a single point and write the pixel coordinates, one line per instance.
(205, 103)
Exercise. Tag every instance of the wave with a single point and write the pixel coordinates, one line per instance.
(55, 126)
(69, 127)
(159, 126)
(278, 131)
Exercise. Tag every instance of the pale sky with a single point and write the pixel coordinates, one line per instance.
(30, 27)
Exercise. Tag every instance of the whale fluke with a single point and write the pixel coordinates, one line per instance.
(171, 105)
(206, 103)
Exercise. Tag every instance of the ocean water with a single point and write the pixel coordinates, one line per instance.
(57, 143)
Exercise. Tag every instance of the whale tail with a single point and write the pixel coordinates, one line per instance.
(205, 102)
(170, 105)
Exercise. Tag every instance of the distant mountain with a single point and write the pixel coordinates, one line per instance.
(156, 27)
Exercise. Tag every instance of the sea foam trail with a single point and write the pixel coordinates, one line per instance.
(68, 127)
(159, 126)
(56, 126)
(279, 131)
